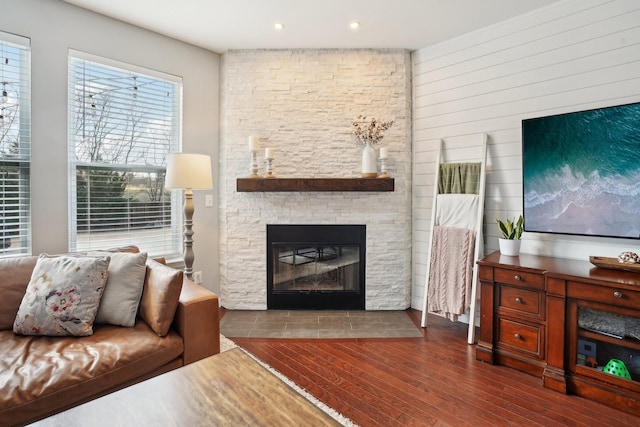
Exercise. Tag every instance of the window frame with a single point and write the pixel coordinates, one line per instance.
(172, 245)
(18, 234)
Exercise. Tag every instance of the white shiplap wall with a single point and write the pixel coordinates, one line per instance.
(572, 55)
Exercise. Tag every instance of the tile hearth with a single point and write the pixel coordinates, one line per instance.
(317, 324)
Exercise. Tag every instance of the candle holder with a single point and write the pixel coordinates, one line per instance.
(383, 168)
(253, 166)
(269, 164)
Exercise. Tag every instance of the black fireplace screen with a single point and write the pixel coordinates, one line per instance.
(315, 266)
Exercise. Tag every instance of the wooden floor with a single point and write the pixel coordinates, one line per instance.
(429, 381)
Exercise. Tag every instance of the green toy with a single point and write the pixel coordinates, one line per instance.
(618, 368)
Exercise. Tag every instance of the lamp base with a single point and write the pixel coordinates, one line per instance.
(188, 233)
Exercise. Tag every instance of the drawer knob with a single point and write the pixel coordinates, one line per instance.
(519, 300)
(617, 294)
(517, 336)
(518, 278)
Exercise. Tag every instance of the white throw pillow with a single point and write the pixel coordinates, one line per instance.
(63, 296)
(122, 293)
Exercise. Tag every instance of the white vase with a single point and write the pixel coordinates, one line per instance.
(509, 247)
(369, 162)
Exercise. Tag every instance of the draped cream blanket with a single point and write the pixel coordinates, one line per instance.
(457, 210)
(451, 271)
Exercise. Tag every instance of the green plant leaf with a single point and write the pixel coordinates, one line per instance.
(509, 229)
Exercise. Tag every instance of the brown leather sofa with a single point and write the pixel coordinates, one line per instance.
(43, 375)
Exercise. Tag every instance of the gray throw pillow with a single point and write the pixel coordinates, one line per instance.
(122, 293)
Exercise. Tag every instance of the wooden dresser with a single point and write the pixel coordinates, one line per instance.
(537, 315)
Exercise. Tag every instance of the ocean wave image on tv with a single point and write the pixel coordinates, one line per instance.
(581, 172)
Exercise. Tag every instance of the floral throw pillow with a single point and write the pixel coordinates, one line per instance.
(63, 296)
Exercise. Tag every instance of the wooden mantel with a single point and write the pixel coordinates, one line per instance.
(314, 184)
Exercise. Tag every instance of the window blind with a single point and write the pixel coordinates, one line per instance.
(123, 122)
(15, 143)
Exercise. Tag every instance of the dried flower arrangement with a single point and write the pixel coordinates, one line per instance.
(371, 131)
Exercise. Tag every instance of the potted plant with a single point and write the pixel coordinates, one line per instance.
(511, 231)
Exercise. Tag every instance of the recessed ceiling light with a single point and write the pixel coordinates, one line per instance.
(278, 26)
(354, 25)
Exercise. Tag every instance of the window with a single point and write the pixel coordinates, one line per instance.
(15, 142)
(123, 123)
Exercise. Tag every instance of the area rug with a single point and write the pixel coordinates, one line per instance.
(226, 344)
(318, 324)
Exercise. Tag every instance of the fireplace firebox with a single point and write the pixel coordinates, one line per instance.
(316, 267)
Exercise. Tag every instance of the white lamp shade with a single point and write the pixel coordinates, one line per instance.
(188, 171)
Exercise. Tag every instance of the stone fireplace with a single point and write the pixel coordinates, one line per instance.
(316, 267)
(301, 104)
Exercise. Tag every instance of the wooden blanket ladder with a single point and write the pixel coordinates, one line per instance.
(476, 217)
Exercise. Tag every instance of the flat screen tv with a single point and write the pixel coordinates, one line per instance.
(581, 172)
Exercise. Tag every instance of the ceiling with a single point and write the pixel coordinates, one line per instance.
(219, 25)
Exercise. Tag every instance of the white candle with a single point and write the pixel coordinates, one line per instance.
(254, 142)
(383, 152)
(268, 153)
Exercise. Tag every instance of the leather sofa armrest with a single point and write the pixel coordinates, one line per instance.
(198, 322)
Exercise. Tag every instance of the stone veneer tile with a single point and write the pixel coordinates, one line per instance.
(301, 104)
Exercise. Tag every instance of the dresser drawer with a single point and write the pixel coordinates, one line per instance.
(522, 337)
(519, 278)
(521, 300)
(604, 294)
